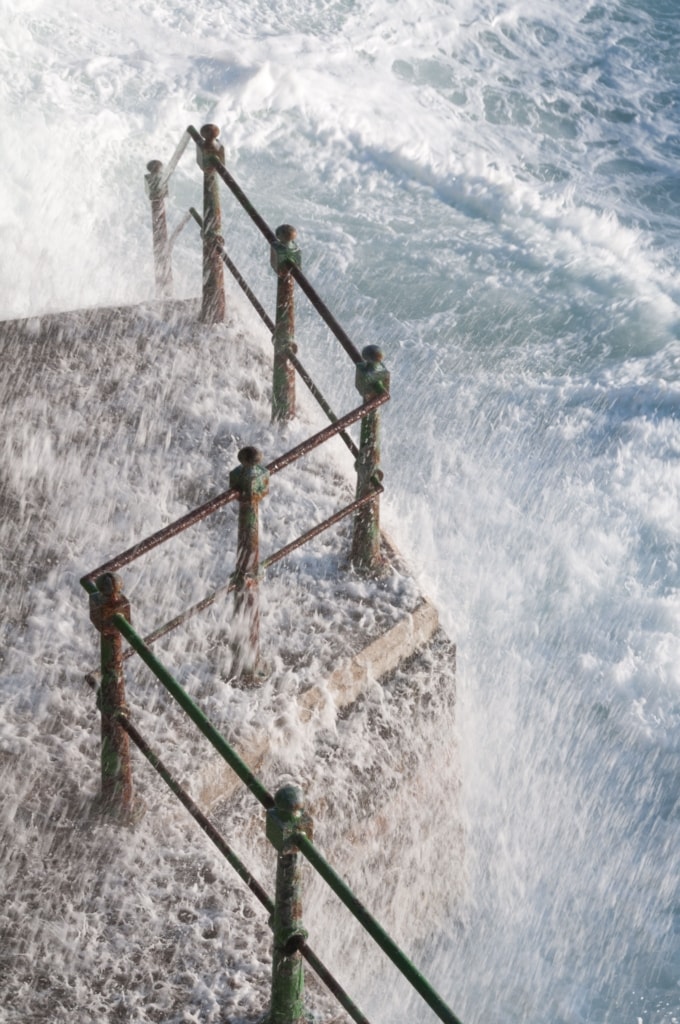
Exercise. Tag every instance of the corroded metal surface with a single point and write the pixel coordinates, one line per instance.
(372, 380)
(210, 154)
(285, 822)
(284, 255)
(252, 482)
(156, 182)
(116, 769)
(269, 323)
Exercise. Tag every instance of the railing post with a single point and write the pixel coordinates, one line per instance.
(284, 254)
(157, 191)
(252, 481)
(286, 818)
(116, 769)
(213, 307)
(372, 379)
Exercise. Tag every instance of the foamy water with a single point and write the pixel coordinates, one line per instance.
(490, 192)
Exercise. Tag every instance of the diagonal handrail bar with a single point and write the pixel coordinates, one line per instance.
(277, 556)
(235, 861)
(269, 323)
(304, 844)
(315, 299)
(176, 157)
(257, 788)
(153, 540)
(320, 528)
(205, 510)
(375, 930)
(323, 435)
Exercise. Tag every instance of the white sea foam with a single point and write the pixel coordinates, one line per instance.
(489, 190)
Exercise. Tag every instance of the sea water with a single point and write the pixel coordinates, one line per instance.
(488, 190)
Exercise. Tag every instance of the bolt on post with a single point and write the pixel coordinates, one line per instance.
(284, 254)
(251, 479)
(116, 767)
(213, 306)
(157, 192)
(372, 379)
(286, 819)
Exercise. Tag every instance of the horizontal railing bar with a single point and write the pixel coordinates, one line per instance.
(200, 606)
(323, 403)
(194, 712)
(375, 930)
(169, 531)
(332, 985)
(319, 305)
(209, 599)
(323, 435)
(236, 863)
(320, 528)
(325, 314)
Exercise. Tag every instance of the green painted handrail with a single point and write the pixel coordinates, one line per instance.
(237, 864)
(305, 845)
(375, 930)
(215, 737)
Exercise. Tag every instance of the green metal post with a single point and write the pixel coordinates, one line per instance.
(116, 768)
(213, 308)
(285, 820)
(157, 191)
(284, 254)
(372, 380)
(251, 479)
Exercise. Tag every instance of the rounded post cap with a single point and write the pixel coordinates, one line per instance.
(372, 354)
(209, 132)
(110, 584)
(250, 456)
(286, 233)
(289, 800)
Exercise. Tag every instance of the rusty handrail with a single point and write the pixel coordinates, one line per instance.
(269, 323)
(270, 560)
(316, 301)
(205, 510)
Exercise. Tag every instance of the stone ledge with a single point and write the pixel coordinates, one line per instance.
(381, 656)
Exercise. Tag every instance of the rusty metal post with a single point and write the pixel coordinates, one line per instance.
(284, 254)
(286, 819)
(372, 379)
(213, 308)
(252, 481)
(157, 191)
(116, 769)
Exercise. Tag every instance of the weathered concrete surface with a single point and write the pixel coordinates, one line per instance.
(367, 725)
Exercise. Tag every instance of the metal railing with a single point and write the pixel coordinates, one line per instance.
(248, 482)
(289, 829)
(286, 260)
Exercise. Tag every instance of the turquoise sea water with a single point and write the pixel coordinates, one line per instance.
(490, 191)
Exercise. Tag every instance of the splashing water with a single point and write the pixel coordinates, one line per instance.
(489, 191)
